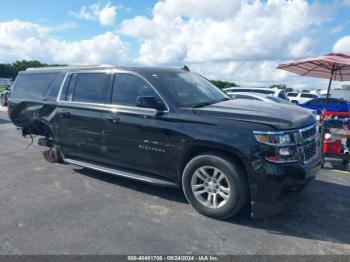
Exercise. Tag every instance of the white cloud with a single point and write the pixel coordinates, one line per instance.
(258, 74)
(194, 31)
(337, 29)
(25, 40)
(343, 45)
(105, 15)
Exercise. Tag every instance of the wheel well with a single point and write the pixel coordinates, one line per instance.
(37, 128)
(195, 151)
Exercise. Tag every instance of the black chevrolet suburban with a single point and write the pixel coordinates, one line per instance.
(170, 127)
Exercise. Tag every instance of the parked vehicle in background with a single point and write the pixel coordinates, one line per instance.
(259, 97)
(170, 127)
(333, 105)
(300, 98)
(5, 82)
(4, 96)
(265, 91)
(268, 99)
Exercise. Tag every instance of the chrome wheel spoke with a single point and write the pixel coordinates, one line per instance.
(195, 187)
(223, 195)
(216, 173)
(204, 172)
(201, 176)
(221, 177)
(209, 200)
(225, 189)
(215, 201)
(200, 192)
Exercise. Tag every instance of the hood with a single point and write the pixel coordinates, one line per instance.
(279, 116)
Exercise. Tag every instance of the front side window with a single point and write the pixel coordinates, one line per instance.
(90, 88)
(189, 89)
(127, 87)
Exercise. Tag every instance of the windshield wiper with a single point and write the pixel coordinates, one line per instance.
(207, 103)
(224, 99)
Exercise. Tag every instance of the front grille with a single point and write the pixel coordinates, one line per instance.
(308, 133)
(310, 151)
(309, 136)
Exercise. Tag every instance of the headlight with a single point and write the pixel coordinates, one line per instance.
(278, 139)
(282, 146)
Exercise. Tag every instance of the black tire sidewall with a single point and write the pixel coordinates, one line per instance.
(234, 175)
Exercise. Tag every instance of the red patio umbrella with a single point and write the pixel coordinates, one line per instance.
(334, 66)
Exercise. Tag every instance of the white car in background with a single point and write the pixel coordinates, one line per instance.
(280, 93)
(300, 98)
(268, 99)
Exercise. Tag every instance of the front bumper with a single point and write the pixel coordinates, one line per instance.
(275, 187)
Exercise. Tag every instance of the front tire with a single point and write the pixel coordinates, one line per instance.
(215, 185)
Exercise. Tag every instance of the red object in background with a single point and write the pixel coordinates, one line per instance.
(332, 146)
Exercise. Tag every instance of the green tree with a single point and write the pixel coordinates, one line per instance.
(279, 86)
(12, 70)
(223, 84)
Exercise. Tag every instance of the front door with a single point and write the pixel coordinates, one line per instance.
(137, 138)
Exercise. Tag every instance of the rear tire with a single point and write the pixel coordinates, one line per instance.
(3, 103)
(53, 155)
(215, 185)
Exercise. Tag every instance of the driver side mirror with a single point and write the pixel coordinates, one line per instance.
(149, 102)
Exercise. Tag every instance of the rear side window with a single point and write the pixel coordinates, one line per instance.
(308, 95)
(43, 86)
(90, 88)
(128, 87)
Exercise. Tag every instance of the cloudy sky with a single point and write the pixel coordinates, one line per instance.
(240, 41)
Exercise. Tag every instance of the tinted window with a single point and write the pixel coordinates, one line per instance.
(245, 97)
(279, 100)
(283, 95)
(292, 94)
(267, 92)
(43, 86)
(91, 88)
(337, 102)
(316, 102)
(308, 95)
(128, 87)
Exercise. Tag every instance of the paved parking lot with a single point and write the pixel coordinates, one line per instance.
(63, 209)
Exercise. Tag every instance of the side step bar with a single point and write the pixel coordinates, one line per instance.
(123, 173)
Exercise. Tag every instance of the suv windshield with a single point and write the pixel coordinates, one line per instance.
(190, 89)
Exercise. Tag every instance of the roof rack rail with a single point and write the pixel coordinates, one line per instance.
(66, 67)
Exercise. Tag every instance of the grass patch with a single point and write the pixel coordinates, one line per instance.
(2, 89)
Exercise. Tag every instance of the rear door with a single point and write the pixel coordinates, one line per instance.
(137, 138)
(80, 112)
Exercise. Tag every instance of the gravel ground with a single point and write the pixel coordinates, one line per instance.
(63, 209)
